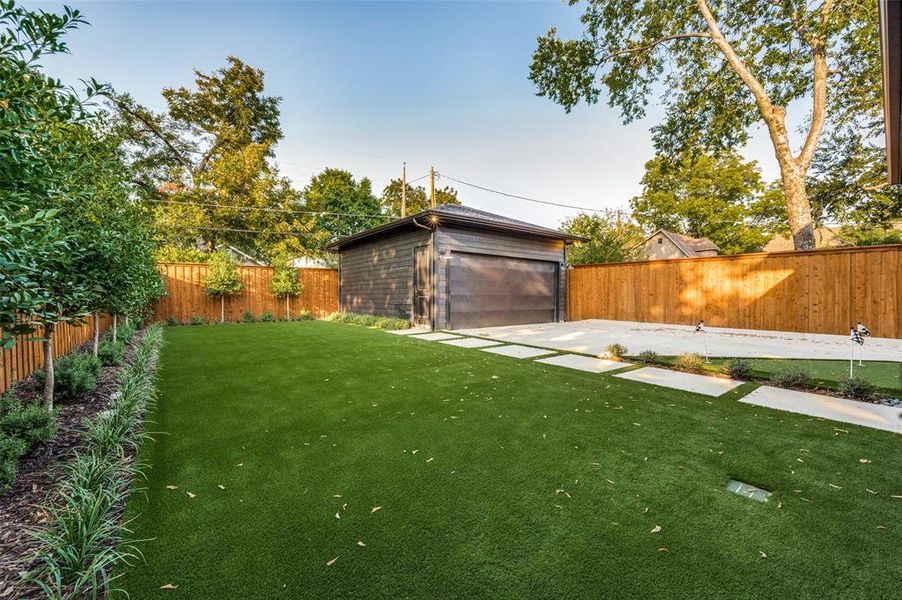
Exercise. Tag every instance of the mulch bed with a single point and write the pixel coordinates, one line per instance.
(38, 477)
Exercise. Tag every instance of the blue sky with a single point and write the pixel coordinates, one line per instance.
(367, 85)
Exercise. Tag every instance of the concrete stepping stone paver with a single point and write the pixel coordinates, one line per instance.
(515, 351)
(437, 336)
(688, 382)
(471, 343)
(888, 418)
(583, 363)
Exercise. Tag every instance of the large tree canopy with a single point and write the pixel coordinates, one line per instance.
(719, 68)
(610, 239)
(718, 197)
(206, 165)
(349, 204)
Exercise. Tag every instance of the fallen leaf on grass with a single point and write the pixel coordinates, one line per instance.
(663, 549)
(897, 497)
(361, 544)
(172, 487)
(331, 562)
(415, 451)
(169, 586)
(645, 512)
(656, 529)
(864, 461)
(220, 486)
(240, 465)
(762, 554)
(190, 495)
(834, 486)
(430, 460)
(870, 491)
(375, 508)
(337, 516)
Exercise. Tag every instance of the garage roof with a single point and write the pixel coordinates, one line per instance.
(458, 216)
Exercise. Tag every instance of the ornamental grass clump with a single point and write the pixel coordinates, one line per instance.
(791, 377)
(82, 539)
(690, 361)
(858, 388)
(739, 368)
(616, 351)
(649, 357)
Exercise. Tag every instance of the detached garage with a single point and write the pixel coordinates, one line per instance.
(453, 267)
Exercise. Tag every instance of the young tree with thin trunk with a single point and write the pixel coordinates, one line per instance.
(223, 279)
(722, 68)
(285, 282)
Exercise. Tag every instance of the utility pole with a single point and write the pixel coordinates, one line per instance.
(404, 191)
(432, 187)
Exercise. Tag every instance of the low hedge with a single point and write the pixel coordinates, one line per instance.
(369, 320)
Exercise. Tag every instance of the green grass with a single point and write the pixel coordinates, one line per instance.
(826, 374)
(528, 480)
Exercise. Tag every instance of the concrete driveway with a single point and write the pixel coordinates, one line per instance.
(592, 336)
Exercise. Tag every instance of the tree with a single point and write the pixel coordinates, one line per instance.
(350, 204)
(610, 239)
(285, 282)
(723, 69)
(417, 198)
(205, 164)
(223, 279)
(719, 197)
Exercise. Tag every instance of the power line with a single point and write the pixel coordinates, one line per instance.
(268, 209)
(607, 211)
(303, 233)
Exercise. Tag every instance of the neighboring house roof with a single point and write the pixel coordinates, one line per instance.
(307, 262)
(824, 237)
(456, 215)
(245, 258)
(689, 246)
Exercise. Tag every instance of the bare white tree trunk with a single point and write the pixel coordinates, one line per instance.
(288, 307)
(222, 309)
(115, 328)
(95, 346)
(48, 366)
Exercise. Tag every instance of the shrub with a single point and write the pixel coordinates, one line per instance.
(110, 353)
(75, 374)
(649, 357)
(857, 388)
(248, 317)
(197, 320)
(739, 368)
(305, 315)
(285, 280)
(792, 377)
(11, 449)
(690, 361)
(172, 321)
(223, 275)
(29, 423)
(369, 320)
(266, 316)
(126, 333)
(616, 350)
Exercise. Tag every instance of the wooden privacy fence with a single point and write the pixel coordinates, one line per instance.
(822, 291)
(28, 354)
(185, 296)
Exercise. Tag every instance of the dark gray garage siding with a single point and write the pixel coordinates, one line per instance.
(376, 277)
(450, 240)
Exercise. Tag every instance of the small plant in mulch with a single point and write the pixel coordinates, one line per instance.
(171, 321)
(649, 357)
(857, 388)
(616, 351)
(196, 320)
(266, 317)
(249, 317)
(305, 315)
(110, 353)
(690, 361)
(75, 374)
(739, 368)
(791, 377)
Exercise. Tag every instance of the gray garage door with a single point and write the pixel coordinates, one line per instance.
(493, 290)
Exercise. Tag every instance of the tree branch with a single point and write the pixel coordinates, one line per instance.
(151, 126)
(650, 45)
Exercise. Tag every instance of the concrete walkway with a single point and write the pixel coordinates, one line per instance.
(887, 418)
(688, 382)
(583, 363)
(593, 336)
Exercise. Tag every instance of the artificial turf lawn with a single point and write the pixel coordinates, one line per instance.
(528, 480)
(825, 374)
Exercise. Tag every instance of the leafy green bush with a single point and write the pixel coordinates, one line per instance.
(649, 357)
(126, 332)
(739, 368)
(305, 315)
(74, 374)
(11, 449)
(285, 280)
(616, 350)
(223, 275)
(792, 377)
(172, 321)
(29, 423)
(249, 317)
(110, 353)
(690, 361)
(857, 388)
(197, 320)
(266, 317)
(369, 320)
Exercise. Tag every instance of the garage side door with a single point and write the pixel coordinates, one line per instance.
(485, 291)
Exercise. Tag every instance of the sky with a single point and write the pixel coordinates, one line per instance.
(366, 86)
